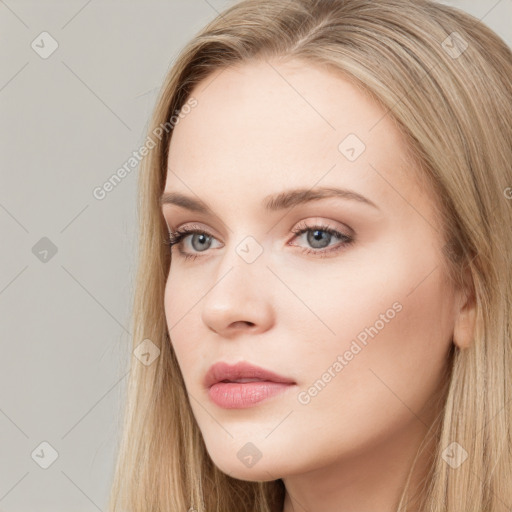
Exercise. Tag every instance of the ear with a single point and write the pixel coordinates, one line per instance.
(464, 328)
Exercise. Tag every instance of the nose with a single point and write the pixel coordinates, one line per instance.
(239, 298)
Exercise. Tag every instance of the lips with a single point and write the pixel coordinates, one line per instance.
(241, 372)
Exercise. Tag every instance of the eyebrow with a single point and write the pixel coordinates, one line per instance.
(275, 202)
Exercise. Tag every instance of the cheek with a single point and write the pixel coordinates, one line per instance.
(181, 316)
(393, 323)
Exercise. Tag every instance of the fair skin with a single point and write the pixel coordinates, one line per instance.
(348, 447)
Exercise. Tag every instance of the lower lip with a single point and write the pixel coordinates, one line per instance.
(239, 395)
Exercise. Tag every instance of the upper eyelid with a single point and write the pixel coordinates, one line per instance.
(311, 218)
(312, 221)
(302, 225)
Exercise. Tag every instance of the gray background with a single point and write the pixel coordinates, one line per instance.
(68, 122)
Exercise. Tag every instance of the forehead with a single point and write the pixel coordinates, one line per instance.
(262, 125)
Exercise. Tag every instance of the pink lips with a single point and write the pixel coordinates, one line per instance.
(242, 385)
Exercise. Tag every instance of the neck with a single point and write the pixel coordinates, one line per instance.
(372, 481)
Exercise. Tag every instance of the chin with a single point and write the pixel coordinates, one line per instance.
(244, 466)
(254, 474)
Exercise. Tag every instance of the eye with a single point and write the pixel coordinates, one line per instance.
(199, 239)
(319, 236)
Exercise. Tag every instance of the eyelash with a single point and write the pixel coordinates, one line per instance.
(177, 237)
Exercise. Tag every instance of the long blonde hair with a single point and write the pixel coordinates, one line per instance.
(445, 80)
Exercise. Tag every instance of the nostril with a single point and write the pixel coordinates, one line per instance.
(242, 323)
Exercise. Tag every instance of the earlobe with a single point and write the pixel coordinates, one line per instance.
(464, 328)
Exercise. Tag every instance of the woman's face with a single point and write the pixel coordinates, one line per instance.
(360, 320)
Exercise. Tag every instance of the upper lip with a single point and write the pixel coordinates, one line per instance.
(224, 371)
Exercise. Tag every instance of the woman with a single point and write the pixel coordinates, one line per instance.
(324, 290)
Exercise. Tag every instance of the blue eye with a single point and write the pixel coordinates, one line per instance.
(319, 237)
(178, 237)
